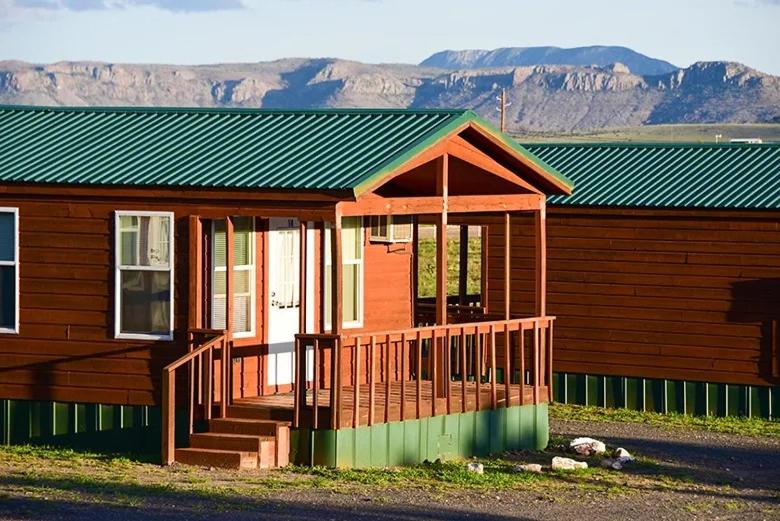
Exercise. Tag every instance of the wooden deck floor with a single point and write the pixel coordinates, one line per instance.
(281, 405)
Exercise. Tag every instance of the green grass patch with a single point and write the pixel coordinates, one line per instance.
(728, 424)
(427, 266)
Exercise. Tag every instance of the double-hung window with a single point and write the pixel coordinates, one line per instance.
(352, 262)
(243, 321)
(144, 275)
(9, 270)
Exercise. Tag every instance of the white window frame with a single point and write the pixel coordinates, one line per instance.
(118, 274)
(354, 324)
(15, 264)
(252, 268)
(390, 226)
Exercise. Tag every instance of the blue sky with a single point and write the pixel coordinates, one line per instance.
(209, 31)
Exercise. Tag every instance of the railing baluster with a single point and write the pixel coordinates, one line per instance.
(434, 373)
(418, 371)
(387, 378)
(448, 368)
(507, 366)
(372, 380)
(463, 371)
(315, 400)
(478, 372)
(191, 384)
(550, 362)
(356, 397)
(403, 376)
(168, 417)
(536, 362)
(493, 397)
(209, 383)
(223, 380)
(521, 341)
(298, 390)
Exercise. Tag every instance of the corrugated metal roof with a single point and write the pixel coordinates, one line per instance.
(667, 175)
(224, 148)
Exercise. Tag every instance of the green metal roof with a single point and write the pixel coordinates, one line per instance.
(667, 175)
(218, 148)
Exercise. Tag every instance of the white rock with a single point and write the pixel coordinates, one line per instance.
(529, 467)
(559, 463)
(588, 446)
(622, 455)
(476, 467)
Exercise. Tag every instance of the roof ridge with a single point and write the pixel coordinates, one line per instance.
(648, 144)
(226, 110)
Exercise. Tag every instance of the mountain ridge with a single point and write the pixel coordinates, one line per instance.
(543, 97)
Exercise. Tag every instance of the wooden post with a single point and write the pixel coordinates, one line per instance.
(507, 267)
(169, 417)
(442, 181)
(323, 270)
(195, 309)
(302, 283)
(541, 262)
(415, 268)
(336, 313)
(463, 265)
(227, 363)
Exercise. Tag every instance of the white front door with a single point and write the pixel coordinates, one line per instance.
(284, 264)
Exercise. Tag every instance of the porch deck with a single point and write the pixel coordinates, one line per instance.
(281, 406)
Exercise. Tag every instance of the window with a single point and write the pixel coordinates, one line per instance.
(243, 276)
(352, 262)
(390, 228)
(9, 270)
(144, 275)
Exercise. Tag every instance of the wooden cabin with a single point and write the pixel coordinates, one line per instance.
(173, 270)
(665, 268)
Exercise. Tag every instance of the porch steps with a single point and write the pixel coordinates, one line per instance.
(239, 443)
(228, 459)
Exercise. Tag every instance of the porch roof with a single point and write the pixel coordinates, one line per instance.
(335, 150)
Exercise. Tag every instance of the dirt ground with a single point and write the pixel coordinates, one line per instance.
(680, 474)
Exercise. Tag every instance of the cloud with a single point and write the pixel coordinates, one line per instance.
(177, 6)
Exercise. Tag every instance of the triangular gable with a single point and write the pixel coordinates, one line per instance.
(469, 133)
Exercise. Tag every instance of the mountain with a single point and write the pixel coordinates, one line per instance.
(543, 97)
(599, 55)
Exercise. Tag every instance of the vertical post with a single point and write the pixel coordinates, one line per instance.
(463, 265)
(371, 379)
(521, 335)
(356, 390)
(415, 268)
(418, 373)
(541, 261)
(503, 110)
(336, 290)
(227, 368)
(507, 266)
(168, 417)
(492, 355)
(299, 385)
(323, 267)
(508, 365)
(299, 391)
(195, 312)
(387, 378)
(403, 376)
(315, 388)
(442, 176)
(549, 361)
(536, 362)
(302, 281)
(463, 369)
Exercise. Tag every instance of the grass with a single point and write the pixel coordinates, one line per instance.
(729, 424)
(660, 133)
(427, 266)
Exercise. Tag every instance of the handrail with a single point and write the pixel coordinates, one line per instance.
(200, 361)
(428, 329)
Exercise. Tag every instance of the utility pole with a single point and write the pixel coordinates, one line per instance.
(502, 109)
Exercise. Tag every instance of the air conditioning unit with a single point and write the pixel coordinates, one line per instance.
(390, 228)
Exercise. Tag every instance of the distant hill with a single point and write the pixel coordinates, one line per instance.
(599, 55)
(544, 98)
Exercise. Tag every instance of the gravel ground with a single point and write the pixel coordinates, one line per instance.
(694, 475)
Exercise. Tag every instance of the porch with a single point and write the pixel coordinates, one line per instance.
(452, 354)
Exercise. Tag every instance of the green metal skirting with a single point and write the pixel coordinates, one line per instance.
(410, 442)
(667, 396)
(89, 426)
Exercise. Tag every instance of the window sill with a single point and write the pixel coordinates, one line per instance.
(8, 331)
(142, 336)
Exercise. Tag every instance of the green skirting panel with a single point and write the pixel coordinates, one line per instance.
(87, 426)
(409, 442)
(667, 396)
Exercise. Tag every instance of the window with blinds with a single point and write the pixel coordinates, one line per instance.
(144, 275)
(390, 228)
(9, 270)
(243, 323)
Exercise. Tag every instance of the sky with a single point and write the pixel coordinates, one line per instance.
(379, 31)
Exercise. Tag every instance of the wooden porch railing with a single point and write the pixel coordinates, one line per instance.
(367, 378)
(201, 390)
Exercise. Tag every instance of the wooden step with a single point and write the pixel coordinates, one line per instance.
(265, 446)
(253, 412)
(280, 431)
(226, 459)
